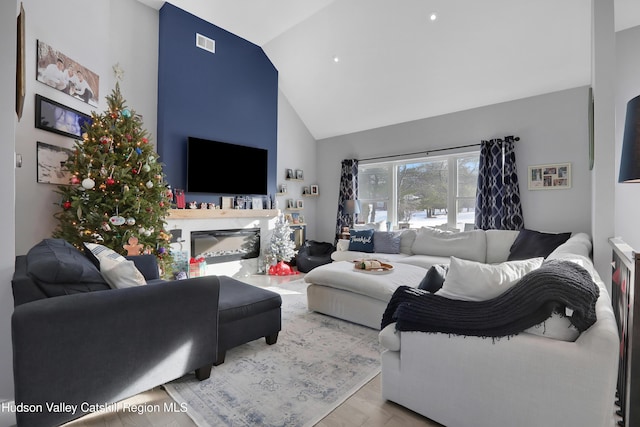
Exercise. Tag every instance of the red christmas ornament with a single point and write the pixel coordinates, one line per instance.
(145, 140)
(110, 181)
(134, 171)
(66, 205)
(161, 203)
(129, 137)
(114, 115)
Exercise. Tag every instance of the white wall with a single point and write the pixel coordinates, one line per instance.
(552, 128)
(123, 31)
(134, 45)
(602, 176)
(627, 196)
(8, 119)
(297, 150)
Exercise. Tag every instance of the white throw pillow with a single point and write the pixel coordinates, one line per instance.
(466, 244)
(389, 338)
(476, 281)
(121, 274)
(99, 252)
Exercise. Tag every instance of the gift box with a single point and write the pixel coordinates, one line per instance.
(180, 258)
(197, 267)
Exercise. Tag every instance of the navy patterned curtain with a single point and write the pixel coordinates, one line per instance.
(348, 191)
(498, 204)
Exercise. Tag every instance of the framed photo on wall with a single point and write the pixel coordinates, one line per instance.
(555, 176)
(51, 161)
(57, 70)
(57, 118)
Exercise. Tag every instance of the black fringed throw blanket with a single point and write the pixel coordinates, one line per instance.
(552, 287)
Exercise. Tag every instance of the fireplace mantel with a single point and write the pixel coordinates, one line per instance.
(222, 213)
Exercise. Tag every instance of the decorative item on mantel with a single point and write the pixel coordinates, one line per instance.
(630, 160)
(180, 201)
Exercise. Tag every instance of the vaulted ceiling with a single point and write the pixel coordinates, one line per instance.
(352, 65)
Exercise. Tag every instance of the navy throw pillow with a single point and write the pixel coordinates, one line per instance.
(361, 240)
(533, 244)
(434, 279)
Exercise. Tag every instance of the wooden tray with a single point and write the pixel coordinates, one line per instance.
(384, 267)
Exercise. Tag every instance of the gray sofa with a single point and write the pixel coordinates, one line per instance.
(78, 342)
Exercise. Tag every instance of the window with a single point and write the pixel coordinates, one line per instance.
(435, 191)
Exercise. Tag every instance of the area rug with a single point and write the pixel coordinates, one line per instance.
(317, 363)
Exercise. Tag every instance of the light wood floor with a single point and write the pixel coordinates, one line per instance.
(365, 408)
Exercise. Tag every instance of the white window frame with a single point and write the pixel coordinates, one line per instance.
(452, 193)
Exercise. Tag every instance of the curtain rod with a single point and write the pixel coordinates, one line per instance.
(427, 152)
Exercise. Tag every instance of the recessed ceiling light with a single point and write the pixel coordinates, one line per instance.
(336, 59)
(433, 16)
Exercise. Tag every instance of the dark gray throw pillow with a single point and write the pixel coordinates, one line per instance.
(533, 244)
(434, 278)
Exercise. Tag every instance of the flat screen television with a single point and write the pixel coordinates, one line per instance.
(218, 167)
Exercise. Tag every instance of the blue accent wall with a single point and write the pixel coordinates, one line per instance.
(230, 96)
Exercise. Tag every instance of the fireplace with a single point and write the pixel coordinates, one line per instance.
(218, 246)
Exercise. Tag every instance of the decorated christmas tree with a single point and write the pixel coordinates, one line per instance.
(281, 248)
(117, 195)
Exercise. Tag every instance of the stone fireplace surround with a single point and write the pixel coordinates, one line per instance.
(189, 220)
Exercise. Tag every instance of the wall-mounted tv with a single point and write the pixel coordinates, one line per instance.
(223, 168)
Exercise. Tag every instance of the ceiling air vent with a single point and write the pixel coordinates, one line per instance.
(205, 43)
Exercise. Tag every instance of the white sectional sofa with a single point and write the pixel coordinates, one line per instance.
(334, 289)
(526, 380)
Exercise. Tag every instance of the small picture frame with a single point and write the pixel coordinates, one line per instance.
(299, 204)
(290, 204)
(315, 190)
(555, 176)
(57, 118)
(283, 188)
(227, 202)
(289, 174)
(51, 160)
(296, 217)
(256, 203)
(299, 174)
(306, 190)
(288, 218)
